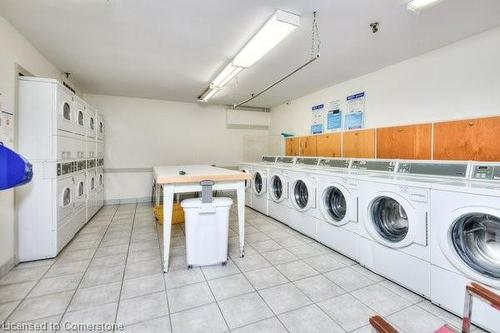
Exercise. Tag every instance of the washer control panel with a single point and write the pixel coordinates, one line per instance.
(334, 163)
(285, 160)
(307, 161)
(371, 165)
(486, 172)
(269, 159)
(433, 169)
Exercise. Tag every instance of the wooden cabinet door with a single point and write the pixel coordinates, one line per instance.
(405, 142)
(329, 145)
(473, 139)
(292, 147)
(360, 144)
(308, 146)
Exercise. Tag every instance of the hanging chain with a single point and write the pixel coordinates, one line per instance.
(315, 41)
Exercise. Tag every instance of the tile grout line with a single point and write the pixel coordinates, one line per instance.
(36, 283)
(215, 298)
(160, 242)
(87, 268)
(125, 268)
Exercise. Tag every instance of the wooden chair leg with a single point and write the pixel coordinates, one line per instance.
(381, 325)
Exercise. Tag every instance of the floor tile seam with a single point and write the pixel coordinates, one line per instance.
(215, 299)
(35, 284)
(125, 266)
(160, 241)
(83, 276)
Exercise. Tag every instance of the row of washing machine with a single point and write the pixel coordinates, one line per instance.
(430, 226)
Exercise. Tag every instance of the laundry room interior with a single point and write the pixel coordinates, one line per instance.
(250, 166)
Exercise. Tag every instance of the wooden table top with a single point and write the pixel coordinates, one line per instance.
(195, 174)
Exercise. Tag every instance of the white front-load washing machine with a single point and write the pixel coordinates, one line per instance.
(465, 243)
(303, 196)
(247, 168)
(259, 182)
(337, 211)
(394, 210)
(279, 182)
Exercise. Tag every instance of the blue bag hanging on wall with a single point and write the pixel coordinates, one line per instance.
(14, 169)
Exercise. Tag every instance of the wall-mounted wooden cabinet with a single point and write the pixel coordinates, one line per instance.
(474, 139)
(359, 144)
(329, 145)
(405, 142)
(292, 146)
(308, 145)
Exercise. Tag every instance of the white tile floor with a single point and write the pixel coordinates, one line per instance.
(111, 272)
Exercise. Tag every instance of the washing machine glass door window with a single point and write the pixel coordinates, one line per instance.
(301, 194)
(335, 203)
(80, 189)
(390, 219)
(66, 197)
(476, 240)
(66, 111)
(277, 190)
(80, 118)
(258, 183)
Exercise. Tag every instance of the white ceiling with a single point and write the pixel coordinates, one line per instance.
(170, 49)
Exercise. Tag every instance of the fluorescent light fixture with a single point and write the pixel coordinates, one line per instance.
(226, 75)
(271, 34)
(209, 93)
(416, 5)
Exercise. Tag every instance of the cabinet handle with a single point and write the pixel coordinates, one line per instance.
(400, 130)
(471, 123)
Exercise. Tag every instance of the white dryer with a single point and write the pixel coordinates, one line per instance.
(303, 196)
(337, 211)
(279, 181)
(259, 182)
(247, 168)
(465, 243)
(394, 211)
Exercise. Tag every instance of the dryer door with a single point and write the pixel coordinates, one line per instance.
(475, 237)
(259, 183)
(303, 195)
(336, 205)
(395, 222)
(278, 188)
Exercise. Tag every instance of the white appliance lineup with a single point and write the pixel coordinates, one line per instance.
(465, 238)
(63, 138)
(430, 226)
(394, 210)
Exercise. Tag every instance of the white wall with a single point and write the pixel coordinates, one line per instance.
(457, 81)
(142, 133)
(15, 49)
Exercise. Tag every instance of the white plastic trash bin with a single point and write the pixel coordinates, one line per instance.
(207, 227)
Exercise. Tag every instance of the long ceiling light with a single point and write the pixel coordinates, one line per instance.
(280, 25)
(416, 5)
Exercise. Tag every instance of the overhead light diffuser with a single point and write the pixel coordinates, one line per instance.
(227, 74)
(416, 5)
(270, 34)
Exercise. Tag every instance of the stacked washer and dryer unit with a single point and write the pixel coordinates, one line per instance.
(63, 138)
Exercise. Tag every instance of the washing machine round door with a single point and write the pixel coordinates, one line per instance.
(334, 204)
(476, 240)
(258, 183)
(277, 188)
(300, 194)
(389, 219)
